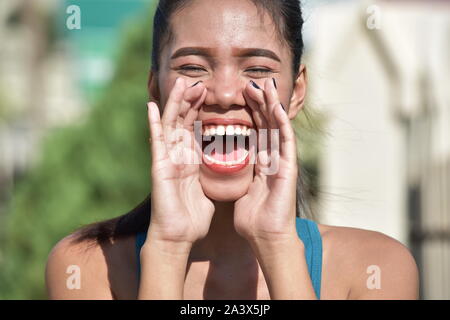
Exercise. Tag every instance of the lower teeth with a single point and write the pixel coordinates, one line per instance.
(227, 163)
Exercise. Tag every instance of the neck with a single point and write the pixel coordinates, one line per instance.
(222, 243)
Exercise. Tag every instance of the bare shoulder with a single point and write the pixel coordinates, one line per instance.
(82, 270)
(373, 264)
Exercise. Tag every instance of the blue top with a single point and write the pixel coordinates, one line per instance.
(308, 233)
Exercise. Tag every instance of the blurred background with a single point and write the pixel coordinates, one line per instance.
(373, 142)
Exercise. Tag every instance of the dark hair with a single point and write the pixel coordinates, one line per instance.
(286, 15)
(287, 18)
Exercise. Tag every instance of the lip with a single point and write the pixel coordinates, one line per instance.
(224, 169)
(220, 168)
(227, 121)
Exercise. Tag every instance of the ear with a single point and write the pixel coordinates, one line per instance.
(152, 86)
(299, 93)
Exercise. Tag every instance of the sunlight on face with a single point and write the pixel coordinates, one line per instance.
(225, 45)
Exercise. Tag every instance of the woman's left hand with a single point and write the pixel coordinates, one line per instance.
(267, 212)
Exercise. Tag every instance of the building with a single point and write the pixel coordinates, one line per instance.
(379, 72)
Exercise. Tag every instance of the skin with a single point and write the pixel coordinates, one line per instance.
(228, 237)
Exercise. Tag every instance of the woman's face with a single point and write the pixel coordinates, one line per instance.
(225, 36)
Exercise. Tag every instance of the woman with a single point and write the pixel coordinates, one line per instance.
(225, 227)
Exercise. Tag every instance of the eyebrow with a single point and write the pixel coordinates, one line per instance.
(208, 53)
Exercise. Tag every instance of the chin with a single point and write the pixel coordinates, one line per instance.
(226, 188)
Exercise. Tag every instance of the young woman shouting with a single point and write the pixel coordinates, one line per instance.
(224, 226)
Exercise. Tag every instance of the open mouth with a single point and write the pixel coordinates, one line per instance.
(225, 144)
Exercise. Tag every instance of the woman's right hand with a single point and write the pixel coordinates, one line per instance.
(180, 210)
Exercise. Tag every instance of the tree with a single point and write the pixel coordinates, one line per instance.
(88, 172)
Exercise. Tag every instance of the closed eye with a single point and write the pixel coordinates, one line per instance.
(191, 68)
(260, 71)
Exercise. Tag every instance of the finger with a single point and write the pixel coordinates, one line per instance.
(258, 116)
(173, 105)
(193, 143)
(192, 112)
(193, 94)
(189, 126)
(272, 99)
(258, 96)
(256, 103)
(158, 147)
(192, 98)
(287, 135)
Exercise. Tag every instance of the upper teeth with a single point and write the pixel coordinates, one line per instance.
(229, 130)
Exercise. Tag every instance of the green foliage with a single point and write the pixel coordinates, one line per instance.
(87, 172)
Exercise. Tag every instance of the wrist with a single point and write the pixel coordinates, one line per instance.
(285, 269)
(166, 246)
(277, 239)
(163, 269)
(277, 247)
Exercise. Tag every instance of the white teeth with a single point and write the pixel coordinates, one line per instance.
(227, 163)
(230, 130)
(220, 131)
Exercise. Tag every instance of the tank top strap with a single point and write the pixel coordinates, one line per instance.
(310, 235)
(140, 239)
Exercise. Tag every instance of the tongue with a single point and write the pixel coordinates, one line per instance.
(230, 152)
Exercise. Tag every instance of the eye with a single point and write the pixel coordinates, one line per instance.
(191, 68)
(260, 71)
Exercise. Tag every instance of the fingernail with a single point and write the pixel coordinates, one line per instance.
(255, 85)
(274, 83)
(196, 84)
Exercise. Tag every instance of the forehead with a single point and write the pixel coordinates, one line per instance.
(224, 24)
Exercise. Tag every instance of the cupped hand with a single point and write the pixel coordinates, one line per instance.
(180, 210)
(267, 211)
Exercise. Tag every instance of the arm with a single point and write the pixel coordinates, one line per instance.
(163, 266)
(387, 270)
(74, 271)
(265, 216)
(285, 270)
(181, 213)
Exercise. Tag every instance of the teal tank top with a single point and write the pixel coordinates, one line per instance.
(308, 233)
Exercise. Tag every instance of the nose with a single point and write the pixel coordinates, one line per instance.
(225, 90)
